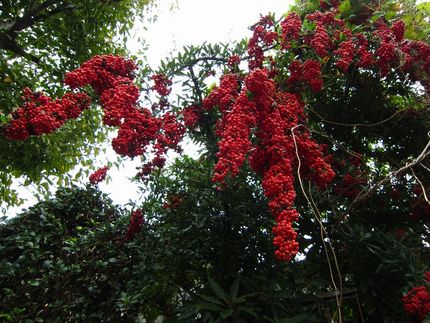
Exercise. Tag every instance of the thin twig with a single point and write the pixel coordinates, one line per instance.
(322, 228)
(365, 193)
(422, 186)
(356, 124)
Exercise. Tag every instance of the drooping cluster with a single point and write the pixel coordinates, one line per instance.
(308, 73)
(41, 115)
(261, 111)
(263, 36)
(135, 225)
(112, 78)
(291, 27)
(191, 116)
(162, 84)
(379, 45)
(99, 175)
(416, 302)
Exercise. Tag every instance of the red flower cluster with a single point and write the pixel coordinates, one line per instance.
(417, 301)
(135, 225)
(99, 175)
(274, 114)
(41, 115)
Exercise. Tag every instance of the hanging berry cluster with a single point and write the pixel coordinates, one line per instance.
(41, 115)
(263, 118)
(111, 77)
(99, 175)
(416, 302)
(135, 225)
(259, 110)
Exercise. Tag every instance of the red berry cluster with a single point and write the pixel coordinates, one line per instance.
(377, 46)
(135, 225)
(41, 115)
(100, 72)
(162, 84)
(224, 95)
(191, 116)
(346, 55)
(354, 177)
(274, 114)
(321, 41)
(261, 38)
(308, 73)
(417, 301)
(291, 27)
(112, 78)
(99, 175)
(233, 62)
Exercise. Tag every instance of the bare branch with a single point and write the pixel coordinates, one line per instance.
(422, 186)
(357, 124)
(366, 193)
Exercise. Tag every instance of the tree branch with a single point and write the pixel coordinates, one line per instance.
(364, 194)
(36, 14)
(9, 43)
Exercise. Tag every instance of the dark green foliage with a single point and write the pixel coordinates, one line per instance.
(59, 260)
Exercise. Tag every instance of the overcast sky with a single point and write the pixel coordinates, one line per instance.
(196, 21)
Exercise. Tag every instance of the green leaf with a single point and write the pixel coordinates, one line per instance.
(210, 306)
(227, 313)
(298, 319)
(34, 282)
(234, 289)
(219, 291)
(345, 8)
(211, 299)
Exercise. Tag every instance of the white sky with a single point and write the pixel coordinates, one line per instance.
(191, 22)
(196, 21)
